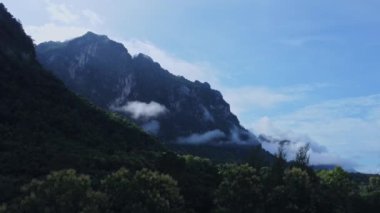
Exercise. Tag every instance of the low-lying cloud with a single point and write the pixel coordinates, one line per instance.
(318, 156)
(235, 137)
(198, 138)
(266, 127)
(349, 127)
(271, 137)
(141, 110)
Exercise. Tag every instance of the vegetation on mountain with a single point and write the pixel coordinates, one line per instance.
(58, 153)
(45, 127)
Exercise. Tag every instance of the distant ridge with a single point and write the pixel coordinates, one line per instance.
(103, 71)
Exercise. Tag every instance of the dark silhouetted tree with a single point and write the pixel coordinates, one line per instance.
(145, 191)
(240, 190)
(279, 164)
(338, 190)
(61, 191)
(302, 157)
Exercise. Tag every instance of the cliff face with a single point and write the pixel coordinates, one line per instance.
(168, 106)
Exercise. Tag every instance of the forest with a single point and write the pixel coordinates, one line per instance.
(59, 153)
(193, 184)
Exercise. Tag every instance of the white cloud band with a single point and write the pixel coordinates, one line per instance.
(141, 110)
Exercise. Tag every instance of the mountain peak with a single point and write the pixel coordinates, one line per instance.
(112, 81)
(92, 35)
(144, 57)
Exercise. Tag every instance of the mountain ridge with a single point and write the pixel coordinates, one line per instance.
(193, 109)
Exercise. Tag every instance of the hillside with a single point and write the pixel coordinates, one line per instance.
(44, 126)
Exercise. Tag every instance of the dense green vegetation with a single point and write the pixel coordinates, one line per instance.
(60, 154)
(195, 184)
(236, 153)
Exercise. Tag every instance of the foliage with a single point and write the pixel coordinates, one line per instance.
(302, 158)
(226, 153)
(145, 191)
(371, 195)
(338, 181)
(155, 192)
(339, 190)
(279, 165)
(197, 177)
(198, 183)
(117, 187)
(299, 191)
(62, 191)
(240, 189)
(121, 191)
(374, 184)
(259, 158)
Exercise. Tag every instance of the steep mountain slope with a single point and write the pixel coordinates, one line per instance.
(45, 127)
(169, 106)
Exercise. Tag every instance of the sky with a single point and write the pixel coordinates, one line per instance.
(303, 70)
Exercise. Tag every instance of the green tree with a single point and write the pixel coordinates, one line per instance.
(371, 195)
(295, 194)
(302, 157)
(279, 164)
(338, 190)
(240, 189)
(117, 186)
(145, 191)
(257, 158)
(374, 184)
(198, 183)
(171, 163)
(156, 192)
(61, 191)
(302, 161)
(299, 191)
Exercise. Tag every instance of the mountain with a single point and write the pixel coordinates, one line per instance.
(45, 127)
(170, 107)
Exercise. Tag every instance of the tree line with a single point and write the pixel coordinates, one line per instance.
(193, 184)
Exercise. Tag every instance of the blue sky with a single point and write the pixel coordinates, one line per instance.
(305, 70)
